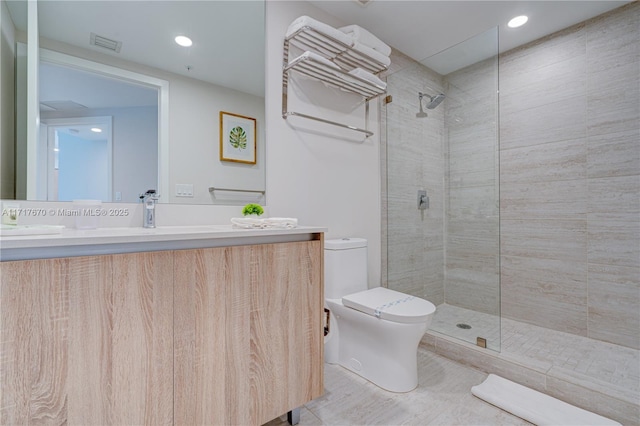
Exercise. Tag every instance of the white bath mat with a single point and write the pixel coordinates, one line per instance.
(534, 406)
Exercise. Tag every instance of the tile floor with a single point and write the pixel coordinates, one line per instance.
(443, 397)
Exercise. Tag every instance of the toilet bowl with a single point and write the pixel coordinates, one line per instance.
(373, 332)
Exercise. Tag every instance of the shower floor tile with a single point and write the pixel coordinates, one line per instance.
(613, 365)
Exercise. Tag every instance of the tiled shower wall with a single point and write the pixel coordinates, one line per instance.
(472, 249)
(413, 159)
(569, 184)
(570, 179)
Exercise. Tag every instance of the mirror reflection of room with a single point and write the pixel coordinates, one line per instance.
(79, 108)
(163, 99)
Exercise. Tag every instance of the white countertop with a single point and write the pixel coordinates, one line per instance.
(76, 242)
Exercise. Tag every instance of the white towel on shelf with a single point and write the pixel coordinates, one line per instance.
(368, 51)
(315, 57)
(366, 75)
(306, 21)
(363, 36)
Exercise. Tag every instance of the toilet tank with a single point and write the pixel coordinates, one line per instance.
(345, 267)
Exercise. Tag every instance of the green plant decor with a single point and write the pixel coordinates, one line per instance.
(252, 209)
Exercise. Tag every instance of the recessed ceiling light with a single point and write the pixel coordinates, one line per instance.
(183, 41)
(96, 130)
(518, 21)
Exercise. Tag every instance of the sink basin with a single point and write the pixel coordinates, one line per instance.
(11, 230)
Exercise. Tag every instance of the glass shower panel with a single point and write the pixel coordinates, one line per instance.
(442, 138)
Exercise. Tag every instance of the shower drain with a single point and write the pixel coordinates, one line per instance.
(463, 326)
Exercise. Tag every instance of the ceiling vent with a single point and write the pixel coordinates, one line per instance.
(60, 106)
(105, 43)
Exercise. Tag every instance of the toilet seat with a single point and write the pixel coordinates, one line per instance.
(390, 305)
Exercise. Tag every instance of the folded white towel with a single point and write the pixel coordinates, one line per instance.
(281, 222)
(306, 21)
(267, 223)
(366, 75)
(365, 37)
(367, 51)
(246, 222)
(315, 57)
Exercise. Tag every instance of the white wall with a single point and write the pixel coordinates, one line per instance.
(321, 174)
(194, 132)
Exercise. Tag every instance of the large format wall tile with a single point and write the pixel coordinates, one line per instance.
(614, 199)
(613, 154)
(544, 239)
(614, 243)
(555, 161)
(555, 121)
(614, 297)
(546, 292)
(529, 88)
(557, 200)
(570, 179)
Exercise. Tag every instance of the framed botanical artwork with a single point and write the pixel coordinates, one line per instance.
(237, 138)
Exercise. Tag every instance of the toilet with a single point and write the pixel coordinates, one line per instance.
(373, 332)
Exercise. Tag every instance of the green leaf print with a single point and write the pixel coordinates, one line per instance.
(238, 138)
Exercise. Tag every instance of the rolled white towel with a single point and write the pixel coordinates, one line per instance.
(366, 75)
(363, 36)
(367, 51)
(315, 57)
(306, 21)
(281, 222)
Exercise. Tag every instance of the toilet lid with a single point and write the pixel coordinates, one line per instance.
(390, 305)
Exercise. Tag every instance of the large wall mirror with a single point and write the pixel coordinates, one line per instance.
(121, 108)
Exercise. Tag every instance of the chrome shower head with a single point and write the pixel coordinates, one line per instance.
(435, 101)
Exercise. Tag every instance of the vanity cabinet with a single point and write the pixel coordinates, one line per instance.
(228, 335)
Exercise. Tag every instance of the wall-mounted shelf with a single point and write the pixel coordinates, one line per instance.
(336, 73)
(336, 77)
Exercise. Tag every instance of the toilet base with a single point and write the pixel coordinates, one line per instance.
(381, 351)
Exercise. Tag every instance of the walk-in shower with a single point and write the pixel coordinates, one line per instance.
(449, 252)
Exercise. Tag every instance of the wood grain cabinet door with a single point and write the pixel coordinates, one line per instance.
(214, 336)
(287, 352)
(211, 336)
(247, 332)
(87, 340)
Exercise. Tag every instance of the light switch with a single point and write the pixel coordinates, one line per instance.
(184, 190)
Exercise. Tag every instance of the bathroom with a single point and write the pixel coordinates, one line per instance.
(333, 179)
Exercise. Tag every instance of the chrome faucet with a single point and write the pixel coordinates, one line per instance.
(149, 199)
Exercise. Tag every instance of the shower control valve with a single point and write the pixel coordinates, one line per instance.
(423, 200)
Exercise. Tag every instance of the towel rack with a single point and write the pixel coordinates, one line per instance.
(212, 189)
(308, 38)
